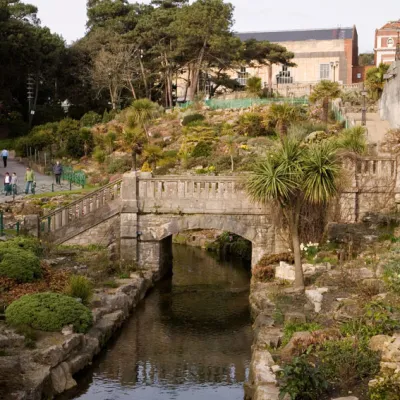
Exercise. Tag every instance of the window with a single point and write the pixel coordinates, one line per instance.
(323, 71)
(284, 76)
(242, 76)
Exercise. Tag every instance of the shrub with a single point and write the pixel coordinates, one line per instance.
(391, 275)
(24, 242)
(346, 362)
(291, 328)
(80, 143)
(202, 149)
(119, 165)
(80, 287)
(188, 119)
(301, 380)
(90, 119)
(385, 388)
(18, 264)
(99, 155)
(49, 312)
(264, 273)
(251, 124)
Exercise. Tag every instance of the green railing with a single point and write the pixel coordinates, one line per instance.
(12, 229)
(339, 115)
(220, 104)
(77, 177)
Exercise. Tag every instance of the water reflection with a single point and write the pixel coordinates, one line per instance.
(190, 339)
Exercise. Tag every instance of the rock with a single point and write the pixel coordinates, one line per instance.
(347, 309)
(268, 337)
(316, 297)
(295, 317)
(10, 373)
(378, 342)
(51, 356)
(61, 378)
(285, 271)
(11, 339)
(346, 398)
(260, 301)
(260, 368)
(360, 273)
(262, 321)
(276, 368)
(67, 330)
(373, 285)
(266, 392)
(72, 343)
(295, 342)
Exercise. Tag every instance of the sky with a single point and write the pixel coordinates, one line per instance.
(68, 17)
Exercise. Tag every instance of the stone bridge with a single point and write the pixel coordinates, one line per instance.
(139, 214)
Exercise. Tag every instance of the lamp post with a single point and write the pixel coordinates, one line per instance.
(364, 109)
(334, 65)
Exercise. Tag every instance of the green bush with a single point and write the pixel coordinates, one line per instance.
(24, 242)
(291, 328)
(90, 119)
(80, 287)
(346, 362)
(119, 165)
(202, 149)
(391, 275)
(80, 143)
(99, 155)
(302, 380)
(188, 119)
(49, 312)
(18, 264)
(251, 124)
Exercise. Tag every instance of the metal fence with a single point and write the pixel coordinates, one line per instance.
(221, 104)
(77, 177)
(11, 229)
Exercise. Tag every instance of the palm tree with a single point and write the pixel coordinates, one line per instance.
(375, 80)
(292, 174)
(141, 113)
(152, 154)
(253, 85)
(325, 91)
(352, 140)
(283, 115)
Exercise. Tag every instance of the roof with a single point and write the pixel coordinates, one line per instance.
(299, 35)
(392, 25)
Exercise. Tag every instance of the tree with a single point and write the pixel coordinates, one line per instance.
(325, 91)
(253, 85)
(366, 59)
(152, 154)
(283, 115)
(292, 174)
(375, 80)
(141, 113)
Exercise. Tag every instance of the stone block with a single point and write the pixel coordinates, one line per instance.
(315, 296)
(260, 368)
(61, 378)
(295, 317)
(379, 342)
(266, 392)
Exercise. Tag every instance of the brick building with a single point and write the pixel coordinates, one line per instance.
(386, 39)
(320, 54)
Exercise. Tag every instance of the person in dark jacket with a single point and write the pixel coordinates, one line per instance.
(58, 170)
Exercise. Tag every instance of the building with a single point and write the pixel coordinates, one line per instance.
(320, 54)
(386, 41)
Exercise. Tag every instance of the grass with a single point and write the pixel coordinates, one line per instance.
(61, 193)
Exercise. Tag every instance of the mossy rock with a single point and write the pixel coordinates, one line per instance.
(19, 264)
(49, 312)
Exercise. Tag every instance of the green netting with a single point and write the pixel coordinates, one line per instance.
(216, 104)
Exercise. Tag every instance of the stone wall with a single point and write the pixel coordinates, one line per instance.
(390, 101)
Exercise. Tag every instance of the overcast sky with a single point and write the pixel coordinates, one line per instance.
(68, 17)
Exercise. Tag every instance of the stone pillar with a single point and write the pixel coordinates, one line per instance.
(129, 218)
(32, 225)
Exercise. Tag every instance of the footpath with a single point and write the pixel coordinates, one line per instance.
(43, 182)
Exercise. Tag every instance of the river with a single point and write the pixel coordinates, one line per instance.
(190, 338)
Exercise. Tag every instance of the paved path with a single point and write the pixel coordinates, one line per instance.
(375, 126)
(43, 182)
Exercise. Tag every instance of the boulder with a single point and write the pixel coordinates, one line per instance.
(347, 309)
(61, 378)
(360, 273)
(296, 342)
(379, 342)
(266, 392)
(316, 297)
(285, 271)
(51, 356)
(295, 317)
(260, 368)
(268, 337)
(263, 320)
(10, 374)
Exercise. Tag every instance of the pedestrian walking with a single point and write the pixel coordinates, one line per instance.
(58, 170)
(14, 184)
(4, 154)
(7, 184)
(30, 181)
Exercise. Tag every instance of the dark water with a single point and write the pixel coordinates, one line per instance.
(189, 339)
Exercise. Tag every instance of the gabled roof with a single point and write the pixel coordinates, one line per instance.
(299, 35)
(392, 25)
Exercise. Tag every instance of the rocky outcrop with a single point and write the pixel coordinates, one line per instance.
(49, 371)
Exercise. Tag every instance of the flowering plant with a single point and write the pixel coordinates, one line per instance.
(310, 249)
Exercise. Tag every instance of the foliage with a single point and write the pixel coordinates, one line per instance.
(310, 250)
(191, 118)
(264, 273)
(99, 155)
(230, 244)
(375, 80)
(202, 149)
(49, 312)
(385, 387)
(152, 154)
(80, 143)
(347, 361)
(302, 380)
(391, 275)
(268, 259)
(120, 165)
(24, 242)
(80, 287)
(19, 265)
(378, 319)
(251, 124)
(253, 85)
(325, 91)
(90, 119)
(366, 59)
(291, 328)
(353, 140)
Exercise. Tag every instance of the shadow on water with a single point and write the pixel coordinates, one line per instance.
(190, 338)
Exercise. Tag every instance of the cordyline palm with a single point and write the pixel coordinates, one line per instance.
(291, 175)
(375, 80)
(283, 115)
(141, 113)
(325, 91)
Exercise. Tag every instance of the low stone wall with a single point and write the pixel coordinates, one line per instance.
(46, 372)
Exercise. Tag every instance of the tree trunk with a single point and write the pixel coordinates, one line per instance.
(325, 109)
(294, 216)
(132, 90)
(112, 98)
(187, 85)
(196, 72)
(232, 165)
(282, 129)
(270, 79)
(144, 77)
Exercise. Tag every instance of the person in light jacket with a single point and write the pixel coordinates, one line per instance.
(14, 183)
(29, 179)
(4, 154)
(58, 170)
(7, 184)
